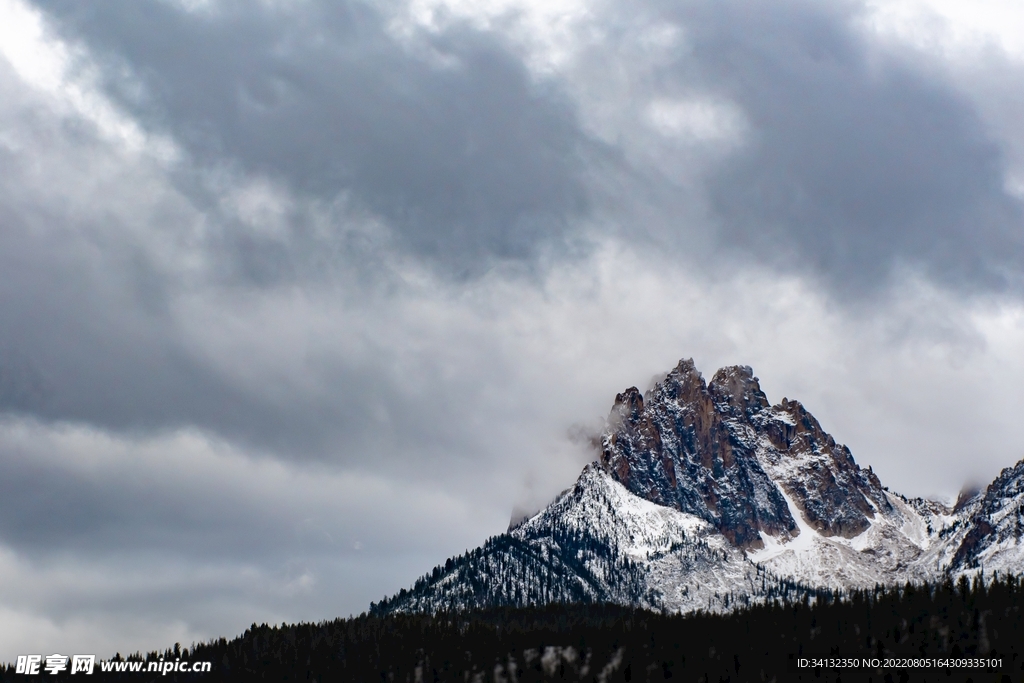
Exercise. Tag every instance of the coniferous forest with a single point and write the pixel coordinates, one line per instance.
(595, 642)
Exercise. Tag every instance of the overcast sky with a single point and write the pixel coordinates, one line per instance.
(299, 298)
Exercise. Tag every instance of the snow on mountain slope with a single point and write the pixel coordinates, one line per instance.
(599, 543)
(686, 564)
(892, 549)
(876, 538)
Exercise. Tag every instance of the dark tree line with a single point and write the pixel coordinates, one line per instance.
(601, 642)
(507, 571)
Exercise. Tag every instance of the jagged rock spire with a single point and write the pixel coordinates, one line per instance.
(723, 453)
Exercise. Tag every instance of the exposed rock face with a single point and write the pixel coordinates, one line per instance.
(995, 525)
(836, 496)
(714, 450)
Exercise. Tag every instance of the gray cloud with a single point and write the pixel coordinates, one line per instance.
(862, 159)
(161, 534)
(105, 322)
(466, 156)
(858, 158)
(363, 360)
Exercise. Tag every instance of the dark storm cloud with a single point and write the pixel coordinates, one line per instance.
(860, 157)
(43, 507)
(857, 159)
(183, 525)
(77, 345)
(449, 139)
(91, 331)
(145, 494)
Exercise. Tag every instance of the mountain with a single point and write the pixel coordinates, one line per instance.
(705, 496)
(991, 526)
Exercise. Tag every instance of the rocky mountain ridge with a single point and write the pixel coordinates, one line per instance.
(705, 496)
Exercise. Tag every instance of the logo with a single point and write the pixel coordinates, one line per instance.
(32, 665)
(35, 665)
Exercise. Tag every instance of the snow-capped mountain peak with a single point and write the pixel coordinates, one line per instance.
(704, 496)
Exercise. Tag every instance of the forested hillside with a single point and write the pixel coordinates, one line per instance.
(614, 643)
